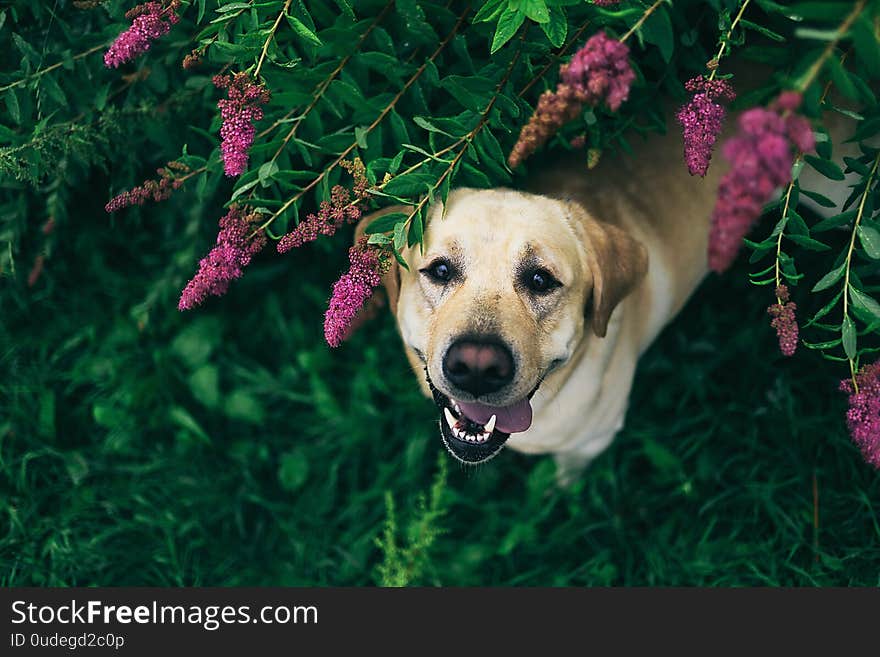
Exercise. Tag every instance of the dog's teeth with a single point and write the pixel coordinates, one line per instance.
(457, 409)
(450, 419)
(490, 425)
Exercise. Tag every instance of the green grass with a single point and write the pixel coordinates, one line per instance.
(229, 446)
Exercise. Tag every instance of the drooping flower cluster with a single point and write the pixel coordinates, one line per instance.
(784, 321)
(352, 290)
(701, 118)
(157, 190)
(239, 110)
(601, 68)
(598, 71)
(761, 156)
(237, 242)
(149, 21)
(193, 59)
(343, 206)
(863, 416)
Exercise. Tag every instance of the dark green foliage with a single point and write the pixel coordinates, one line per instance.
(229, 446)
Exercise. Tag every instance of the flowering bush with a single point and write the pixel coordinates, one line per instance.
(297, 117)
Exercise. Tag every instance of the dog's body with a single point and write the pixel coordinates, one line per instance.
(534, 307)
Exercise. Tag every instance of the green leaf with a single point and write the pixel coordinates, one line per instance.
(266, 171)
(300, 28)
(429, 126)
(536, 10)
(399, 240)
(826, 167)
(829, 279)
(657, 30)
(835, 221)
(818, 35)
(380, 239)
(508, 24)
(870, 239)
(242, 405)
(848, 333)
(233, 6)
(182, 418)
(386, 222)
(866, 44)
(490, 11)
(824, 201)
(12, 106)
(770, 34)
(841, 78)
(345, 6)
(808, 242)
(205, 385)
(556, 28)
(293, 471)
(360, 136)
(865, 302)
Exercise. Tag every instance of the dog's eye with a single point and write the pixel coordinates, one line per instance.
(541, 281)
(439, 271)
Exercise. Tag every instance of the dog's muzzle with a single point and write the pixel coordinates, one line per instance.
(474, 433)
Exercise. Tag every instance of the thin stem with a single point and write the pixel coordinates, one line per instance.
(415, 76)
(465, 140)
(842, 29)
(726, 39)
(43, 71)
(782, 229)
(849, 252)
(192, 173)
(269, 38)
(324, 84)
(555, 59)
(648, 12)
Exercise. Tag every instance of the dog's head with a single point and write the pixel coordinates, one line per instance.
(500, 298)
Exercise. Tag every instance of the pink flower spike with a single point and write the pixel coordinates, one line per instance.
(239, 110)
(149, 21)
(225, 262)
(863, 416)
(601, 69)
(701, 120)
(351, 291)
(784, 321)
(761, 155)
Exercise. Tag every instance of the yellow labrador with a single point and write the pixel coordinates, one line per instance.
(527, 312)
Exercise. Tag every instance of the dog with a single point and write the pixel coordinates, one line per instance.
(526, 313)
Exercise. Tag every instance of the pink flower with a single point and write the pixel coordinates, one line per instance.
(332, 214)
(239, 110)
(352, 290)
(863, 416)
(784, 321)
(701, 120)
(761, 156)
(157, 190)
(149, 21)
(599, 71)
(225, 262)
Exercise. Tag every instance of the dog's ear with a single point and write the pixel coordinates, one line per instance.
(391, 278)
(617, 262)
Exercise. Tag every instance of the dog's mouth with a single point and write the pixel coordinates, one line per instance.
(473, 432)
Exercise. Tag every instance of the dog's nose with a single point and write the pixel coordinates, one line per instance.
(478, 366)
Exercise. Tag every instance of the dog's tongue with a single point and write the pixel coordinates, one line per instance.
(510, 419)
